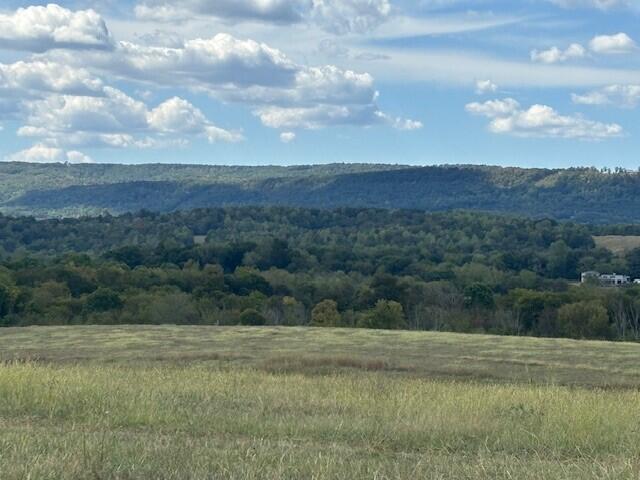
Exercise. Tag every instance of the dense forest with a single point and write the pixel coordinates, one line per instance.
(584, 195)
(370, 268)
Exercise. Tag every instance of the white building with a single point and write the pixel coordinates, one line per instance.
(607, 279)
(614, 280)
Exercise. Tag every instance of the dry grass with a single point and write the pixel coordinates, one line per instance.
(196, 422)
(419, 354)
(618, 244)
(266, 403)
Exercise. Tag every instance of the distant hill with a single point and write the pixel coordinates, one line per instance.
(582, 195)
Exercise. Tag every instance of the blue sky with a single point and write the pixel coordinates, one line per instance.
(547, 83)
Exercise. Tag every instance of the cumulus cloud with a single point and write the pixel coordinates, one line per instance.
(541, 121)
(485, 86)
(28, 78)
(624, 96)
(494, 108)
(612, 44)
(116, 121)
(64, 105)
(222, 61)
(281, 92)
(556, 55)
(336, 16)
(45, 154)
(602, 44)
(287, 137)
(179, 116)
(42, 28)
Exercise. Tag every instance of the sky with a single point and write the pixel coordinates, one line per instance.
(530, 83)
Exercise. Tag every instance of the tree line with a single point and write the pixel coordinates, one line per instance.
(367, 268)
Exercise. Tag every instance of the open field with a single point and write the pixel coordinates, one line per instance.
(618, 244)
(312, 350)
(242, 403)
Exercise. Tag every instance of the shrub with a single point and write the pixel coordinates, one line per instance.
(387, 315)
(326, 314)
(252, 318)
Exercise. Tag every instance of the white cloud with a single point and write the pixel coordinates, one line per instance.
(45, 154)
(222, 62)
(116, 121)
(485, 86)
(624, 96)
(599, 4)
(287, 137)
(276, 11)
(316, 117)
(494, 108)
(612, 44)
(603, 44)
(179, 116)
(282, 93)
(541, 121)
(400, 123)
(350, 16)
(336, 16)
(463, 67)
(321, 116)
(555, 55)
(42, 28)
(64, 105)
(27, 78)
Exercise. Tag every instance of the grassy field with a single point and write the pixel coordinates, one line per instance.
(618, 244)
(242, 403)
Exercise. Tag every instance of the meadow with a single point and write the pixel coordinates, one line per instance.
(618, 244)
(254, 403)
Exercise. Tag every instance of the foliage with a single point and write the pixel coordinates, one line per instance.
(326, 314)
(578, 194)
(252, 317)
(584, 320)
(386, 315)
(462, 272)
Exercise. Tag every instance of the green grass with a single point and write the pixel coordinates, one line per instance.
(416, 354)
(242, 403)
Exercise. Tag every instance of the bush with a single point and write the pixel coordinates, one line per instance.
(326, 314)
(584, 320)
(387, 315)
(253, 318)
(103, 300)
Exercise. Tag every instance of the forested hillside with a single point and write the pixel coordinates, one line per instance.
(581, 195)
(348, 267)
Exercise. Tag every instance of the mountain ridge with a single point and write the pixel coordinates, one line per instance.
(584, 195)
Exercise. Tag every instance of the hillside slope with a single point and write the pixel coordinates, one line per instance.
(583, 195)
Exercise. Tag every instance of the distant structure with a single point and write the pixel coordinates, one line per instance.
(608, 279)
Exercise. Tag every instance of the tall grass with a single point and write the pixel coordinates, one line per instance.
(197, 422)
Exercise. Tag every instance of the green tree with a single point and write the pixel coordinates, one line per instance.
(8, 295)
(584, 320)
(386, 315)
(103, 300)
(478, 295)
(633, 262)
(326, 314)
(252, 318)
